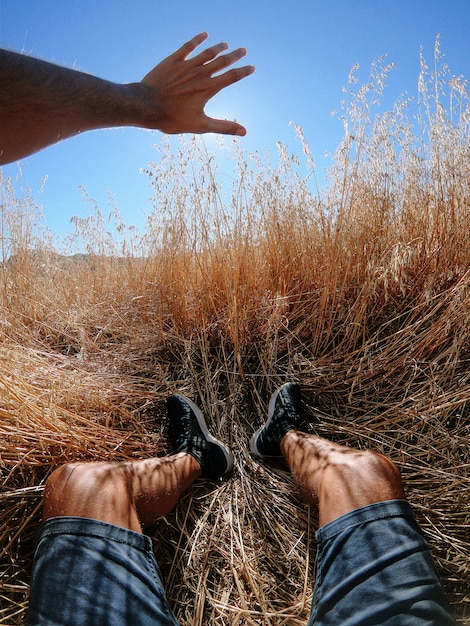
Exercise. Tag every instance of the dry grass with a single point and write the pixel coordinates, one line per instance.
(361, 293)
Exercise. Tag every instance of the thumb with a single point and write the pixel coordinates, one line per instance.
(224, 127)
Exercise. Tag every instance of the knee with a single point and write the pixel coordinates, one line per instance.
(71, 478)
(377, 473)
(76, 488)
(70, 481)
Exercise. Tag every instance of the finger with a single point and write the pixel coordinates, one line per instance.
(223, 127)
(191, 45)
(225, 60)
(209, 54)
(231, 77)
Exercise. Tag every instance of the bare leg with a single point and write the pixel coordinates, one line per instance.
(132, 495)
(337, 478)
(372, 567)
(135, 494)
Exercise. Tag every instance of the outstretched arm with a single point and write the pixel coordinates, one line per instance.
(42, 103)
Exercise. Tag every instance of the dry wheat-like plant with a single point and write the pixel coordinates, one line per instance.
(360, 291)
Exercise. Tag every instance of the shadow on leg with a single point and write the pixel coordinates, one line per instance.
(131, 495)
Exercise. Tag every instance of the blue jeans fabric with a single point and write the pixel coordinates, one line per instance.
(87, 573)
(373, 566)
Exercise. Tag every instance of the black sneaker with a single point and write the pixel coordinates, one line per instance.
(188, 433)
(284, 414)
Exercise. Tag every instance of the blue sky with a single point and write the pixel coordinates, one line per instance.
(303, 51)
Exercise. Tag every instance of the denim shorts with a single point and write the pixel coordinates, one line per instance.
(88, 572)
(373, 566)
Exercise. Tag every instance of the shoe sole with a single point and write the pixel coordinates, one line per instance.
(203, 426)
(272, 403)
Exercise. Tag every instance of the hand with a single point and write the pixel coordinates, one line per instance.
(177, 90)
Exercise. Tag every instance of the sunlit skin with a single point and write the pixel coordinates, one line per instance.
(339, 479)
(42, 103)
(135, 495)
(132, 495)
